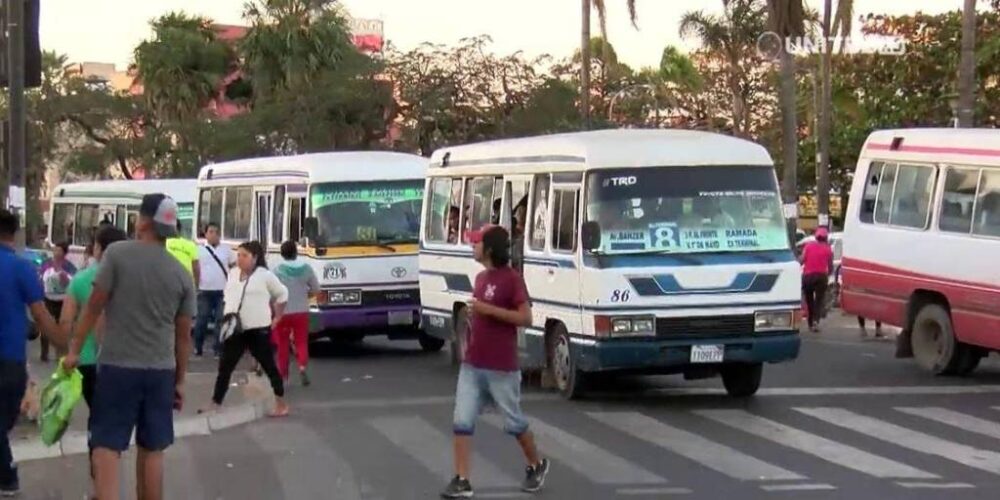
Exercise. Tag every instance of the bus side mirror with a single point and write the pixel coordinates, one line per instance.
(590, 236)
(311, 228)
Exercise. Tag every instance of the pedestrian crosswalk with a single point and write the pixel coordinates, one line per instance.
(604, 452)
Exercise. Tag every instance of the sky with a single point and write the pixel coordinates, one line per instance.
(108, 30)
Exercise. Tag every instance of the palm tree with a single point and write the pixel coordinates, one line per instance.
(787, 19)
(967, 67)
(733, 36)
(585, 52)
(841, 26)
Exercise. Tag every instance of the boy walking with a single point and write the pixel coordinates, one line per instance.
(490, 371)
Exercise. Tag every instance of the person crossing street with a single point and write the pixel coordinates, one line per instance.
(490, 372)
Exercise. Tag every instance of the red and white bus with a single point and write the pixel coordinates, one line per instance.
(922, 243)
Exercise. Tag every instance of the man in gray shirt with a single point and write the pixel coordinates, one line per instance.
(148, 300)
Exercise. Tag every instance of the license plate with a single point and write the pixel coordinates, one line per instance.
(401, 318)
(707, 353)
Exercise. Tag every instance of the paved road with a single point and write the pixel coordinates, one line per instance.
(845, 421)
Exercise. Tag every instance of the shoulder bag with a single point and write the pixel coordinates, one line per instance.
(231, 324)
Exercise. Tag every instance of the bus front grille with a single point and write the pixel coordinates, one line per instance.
(707, 325)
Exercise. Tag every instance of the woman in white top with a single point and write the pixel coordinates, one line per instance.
(260, 292)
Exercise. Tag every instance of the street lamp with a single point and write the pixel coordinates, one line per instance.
(649, 87)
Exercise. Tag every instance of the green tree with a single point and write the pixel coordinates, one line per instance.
(181, 68)
(292, 43)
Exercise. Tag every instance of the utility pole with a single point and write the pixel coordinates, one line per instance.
(17, 122)
(826, 122)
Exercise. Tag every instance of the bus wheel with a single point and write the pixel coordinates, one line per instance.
(570, 381)
(461, 340)
(742, 380)
(430, 343)
(934, 344)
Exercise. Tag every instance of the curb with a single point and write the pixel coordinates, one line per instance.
(75, 442)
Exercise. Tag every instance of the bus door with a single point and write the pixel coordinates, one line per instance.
(263, 216)
(513, 217)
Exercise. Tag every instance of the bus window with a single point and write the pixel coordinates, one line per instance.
(987, 219)
(955, 214)
(539, 211)
(497, 201)
(120, 217)
(871, 191)
(63, 216)
(210, 207)
(912, 198)
(478, 203)
(441, 224)
(564, 219)
(883, 201)
(87, 217)
(237, 212)
(278, 220)
(296, 214)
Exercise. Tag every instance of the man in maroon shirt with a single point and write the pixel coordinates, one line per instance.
(490, 372)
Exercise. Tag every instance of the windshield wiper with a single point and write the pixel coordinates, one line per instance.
(360, 243)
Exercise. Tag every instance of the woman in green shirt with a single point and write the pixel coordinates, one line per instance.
(77, 295)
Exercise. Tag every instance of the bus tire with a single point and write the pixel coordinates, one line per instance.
(742, 380)
(569, 380)
(969, 362)
(460, 340)
(430, 343)
(935, 347)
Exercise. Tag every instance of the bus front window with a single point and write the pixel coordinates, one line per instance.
(686, 210)
(367, 213)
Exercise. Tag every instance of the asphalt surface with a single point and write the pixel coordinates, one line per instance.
(846, 420)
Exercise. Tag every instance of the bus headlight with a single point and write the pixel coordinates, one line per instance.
(772, 321)
(642, 325)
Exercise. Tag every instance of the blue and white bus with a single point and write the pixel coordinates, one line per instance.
(643, 251)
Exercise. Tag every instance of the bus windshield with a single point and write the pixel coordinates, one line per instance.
(367, 213)
(703, 209)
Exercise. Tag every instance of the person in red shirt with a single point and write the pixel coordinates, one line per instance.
(490, 371)
(817, 264)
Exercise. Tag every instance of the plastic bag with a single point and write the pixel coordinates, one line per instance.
(59, 397)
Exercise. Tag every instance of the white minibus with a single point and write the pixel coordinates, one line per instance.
(644, 251)
(78, 208)
(356, 217)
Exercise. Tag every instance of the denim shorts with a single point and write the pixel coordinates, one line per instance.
(127, 399)
(477, 388)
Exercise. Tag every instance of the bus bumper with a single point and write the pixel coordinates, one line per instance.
(673, 356)
(371, 320)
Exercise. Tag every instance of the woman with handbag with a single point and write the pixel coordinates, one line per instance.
(252, 291)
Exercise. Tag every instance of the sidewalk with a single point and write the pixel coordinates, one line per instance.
(249, 398)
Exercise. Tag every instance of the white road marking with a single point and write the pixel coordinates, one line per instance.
(930, 390)
(935, 486)
(587, 459)
(299, 452)
(433, 449)
(653, 491)
(953, 418)
(708, 453)
(817, 446)
(798, 487)
(976, 458)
